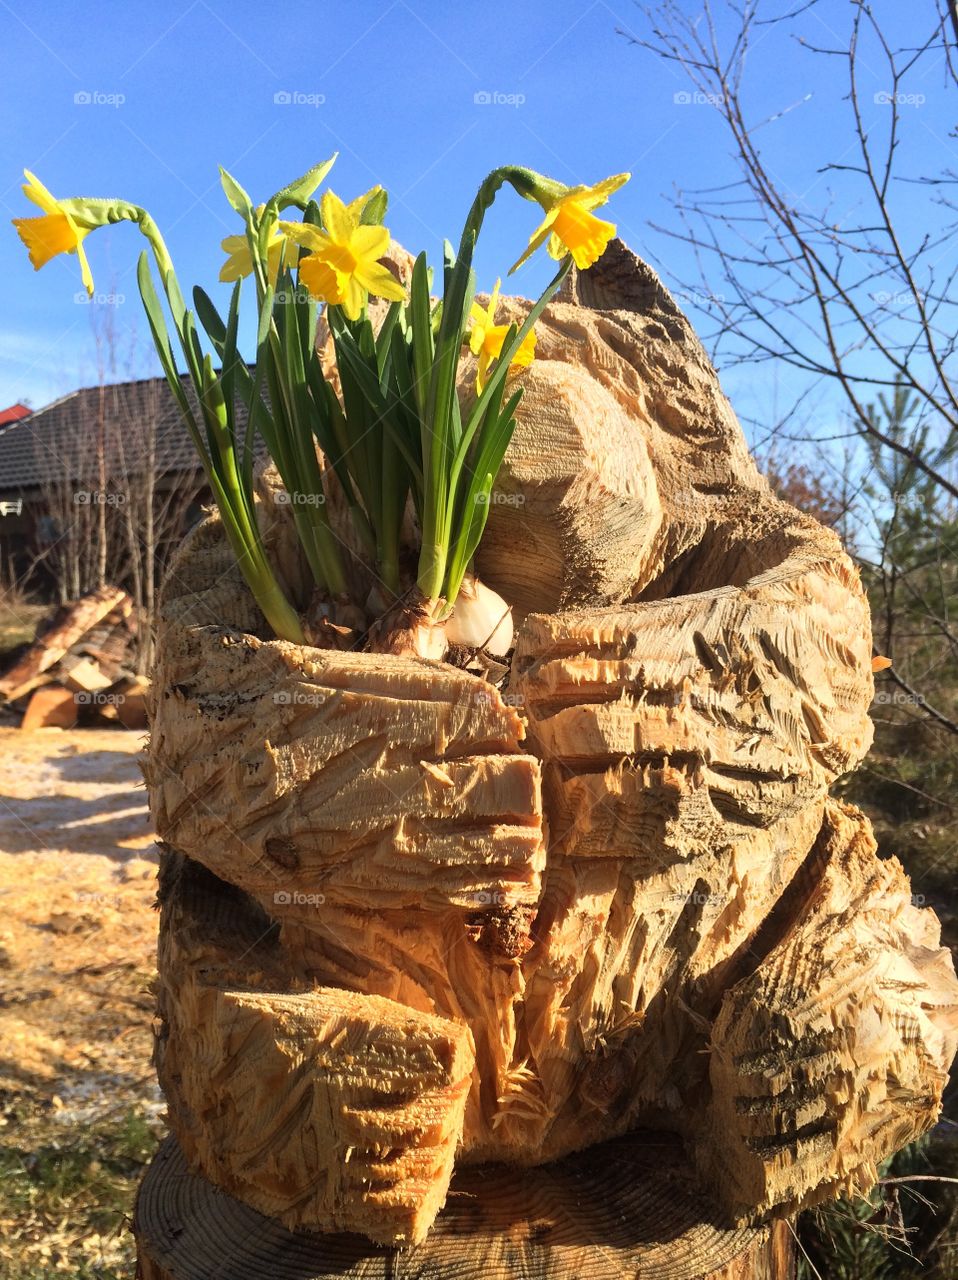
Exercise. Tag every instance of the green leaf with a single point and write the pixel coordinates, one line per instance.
(230, 356)
(298, 192)
(248, 388)
(474, 511)
(403, 415)
(209, 317)
(213, 402)
(448, 263)
(164, 349)
(442, 419)
(329, 426)
(364, 404)
(457, 300)
(423, 342)
(481, 425)
(474, 516)
(235, 374)
(217, 453)
(235, 194)
(359, 367)
(384, 336)
(176, 302)
(260, 419)
(374, 210)
(495, 441)
(363, 391)
(311, 312)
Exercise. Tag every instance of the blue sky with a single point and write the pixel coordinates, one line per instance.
(144, 101)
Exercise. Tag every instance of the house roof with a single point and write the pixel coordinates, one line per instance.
(13, 413)
(61, 440)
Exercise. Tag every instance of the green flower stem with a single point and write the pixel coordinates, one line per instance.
(526, 183)
(233, 498)
(293, 409)
(460, 464)
(432, 570)
(393, 504)
(303, 480)
(255, 568)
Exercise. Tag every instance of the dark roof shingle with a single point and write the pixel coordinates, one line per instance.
(60, 441)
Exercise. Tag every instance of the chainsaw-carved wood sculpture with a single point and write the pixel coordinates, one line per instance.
(411, 919)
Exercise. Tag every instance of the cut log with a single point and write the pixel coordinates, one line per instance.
(357, 1100)
(682, 808)
(129, 696)
(51, 707)
(625, 1208)
(82, 674)
(676, 728)
(70, 625)
(110, 645)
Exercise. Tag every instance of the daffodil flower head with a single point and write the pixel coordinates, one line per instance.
(239, 261)
(486, 339)
(58, 230)
(343, 265)
(570, 226)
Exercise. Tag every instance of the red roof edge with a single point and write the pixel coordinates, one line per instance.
(14, 413)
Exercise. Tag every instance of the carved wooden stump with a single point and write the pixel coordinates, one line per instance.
(417, 932)
(623, 1208)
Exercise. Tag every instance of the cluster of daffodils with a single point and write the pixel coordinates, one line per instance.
(393, 434)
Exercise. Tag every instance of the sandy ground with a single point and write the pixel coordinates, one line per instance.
(77, 942)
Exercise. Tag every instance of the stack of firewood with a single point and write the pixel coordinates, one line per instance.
(80, 668)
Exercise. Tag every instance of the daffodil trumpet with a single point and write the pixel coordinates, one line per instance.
(58, 229)
(570, 227)
(343, 265)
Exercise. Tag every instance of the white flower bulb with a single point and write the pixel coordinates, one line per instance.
(481, 619)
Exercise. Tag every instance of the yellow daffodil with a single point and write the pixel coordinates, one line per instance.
(239, 262)
(572, 227)
(343, 266)
(486, 339)
(57, 231)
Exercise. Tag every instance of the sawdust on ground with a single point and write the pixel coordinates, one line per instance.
(77, 955)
